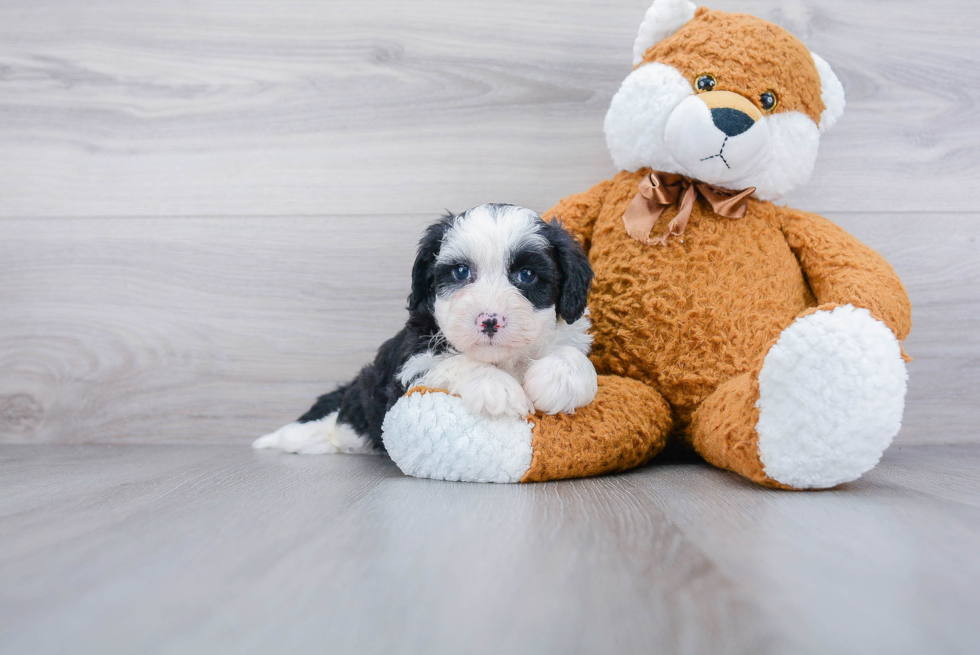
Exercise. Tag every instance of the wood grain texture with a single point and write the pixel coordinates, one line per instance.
(189, 329)
(216, 330)
(244, 108)
(196, 549)
(207, 215)
(208, 210)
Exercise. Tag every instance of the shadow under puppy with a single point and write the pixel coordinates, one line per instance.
(496, 316)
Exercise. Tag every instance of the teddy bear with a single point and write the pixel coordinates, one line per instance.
(764, 339)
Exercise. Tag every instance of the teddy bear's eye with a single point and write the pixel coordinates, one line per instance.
(705, 82)
(769, 100)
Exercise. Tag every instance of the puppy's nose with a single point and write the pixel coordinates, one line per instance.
(490, 323)
(731, 121)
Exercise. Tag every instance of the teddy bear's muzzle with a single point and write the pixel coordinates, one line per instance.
(731, 113)
(719, 137)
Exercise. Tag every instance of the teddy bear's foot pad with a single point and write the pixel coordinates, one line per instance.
(433, 435)
(831, 395)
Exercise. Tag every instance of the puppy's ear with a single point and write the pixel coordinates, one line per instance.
(423, 295)
(576, 272)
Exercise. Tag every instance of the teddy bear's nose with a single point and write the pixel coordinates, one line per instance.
(731, 113)
(731, 121)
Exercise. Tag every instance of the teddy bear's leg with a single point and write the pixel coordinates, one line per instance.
(820, 409)
(723, 430)
(625, 426)
(431, 434)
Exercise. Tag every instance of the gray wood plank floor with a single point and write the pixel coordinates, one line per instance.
(217, 549)
(207, 215)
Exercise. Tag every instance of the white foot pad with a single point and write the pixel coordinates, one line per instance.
(831, 396)
(433, 435)
(322, 437)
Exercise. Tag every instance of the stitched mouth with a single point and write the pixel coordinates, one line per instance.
(720, 154)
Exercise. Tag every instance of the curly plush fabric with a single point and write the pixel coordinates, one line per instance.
(693, 320)
(747, 56)
(698, 315)
(606, 436)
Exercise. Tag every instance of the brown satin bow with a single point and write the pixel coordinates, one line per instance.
(658, 191)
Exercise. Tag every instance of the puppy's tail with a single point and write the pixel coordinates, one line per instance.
(325, 405)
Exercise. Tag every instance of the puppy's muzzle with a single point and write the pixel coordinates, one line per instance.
(490, 323)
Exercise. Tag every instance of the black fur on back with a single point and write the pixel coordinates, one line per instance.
(363, 402)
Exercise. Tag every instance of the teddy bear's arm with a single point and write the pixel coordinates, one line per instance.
(578, 213)
(842, 270)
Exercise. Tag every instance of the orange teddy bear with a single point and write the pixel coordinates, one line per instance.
(764, 338)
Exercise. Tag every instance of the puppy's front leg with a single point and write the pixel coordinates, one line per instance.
(484, 388)
(561, 381)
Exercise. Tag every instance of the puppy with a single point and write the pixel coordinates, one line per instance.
(496, 316)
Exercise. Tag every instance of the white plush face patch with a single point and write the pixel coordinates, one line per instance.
(636, 122)
(718, 145)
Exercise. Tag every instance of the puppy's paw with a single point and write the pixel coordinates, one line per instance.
(494, 393)
(561, 382)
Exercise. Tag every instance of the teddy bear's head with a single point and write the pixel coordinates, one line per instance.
(728, 99)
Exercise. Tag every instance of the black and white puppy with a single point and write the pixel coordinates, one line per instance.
(496, 316)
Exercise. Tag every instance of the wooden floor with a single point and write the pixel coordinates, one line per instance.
(219, 549)
(208, 215)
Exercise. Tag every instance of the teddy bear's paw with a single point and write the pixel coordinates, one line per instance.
(831, 396)
(561, 382)
(433, 435)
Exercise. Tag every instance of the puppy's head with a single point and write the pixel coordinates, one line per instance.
(497, 279)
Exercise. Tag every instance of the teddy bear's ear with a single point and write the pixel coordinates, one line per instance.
(663, 18)
(831, 92)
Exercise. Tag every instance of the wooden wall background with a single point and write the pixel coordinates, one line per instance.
(208, 208)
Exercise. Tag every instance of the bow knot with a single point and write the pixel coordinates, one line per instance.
(658, 191)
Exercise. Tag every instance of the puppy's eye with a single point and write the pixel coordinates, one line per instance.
(706, 82)
(526, 276)
(461, 272)
(769, 100)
